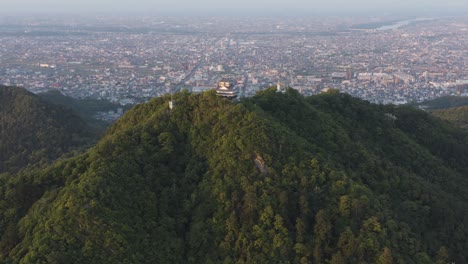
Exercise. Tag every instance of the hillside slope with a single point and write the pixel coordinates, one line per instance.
(276, 178)
(33, 131)
(457, 115)
(85, 108)
(444, 102)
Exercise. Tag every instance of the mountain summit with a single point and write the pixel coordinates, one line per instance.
(276, 178)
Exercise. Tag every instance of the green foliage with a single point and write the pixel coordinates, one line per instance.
(277, 178)
(35, 132)
(85, 108)
(457, 115)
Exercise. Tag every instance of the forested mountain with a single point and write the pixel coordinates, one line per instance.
(33, 131)
(457, 115)
(85, 108)
(276, 178)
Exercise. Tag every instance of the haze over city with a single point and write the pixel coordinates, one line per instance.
(127, 52)
(235, 7)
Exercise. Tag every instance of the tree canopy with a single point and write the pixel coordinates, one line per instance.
(33, 131)
(276, 178)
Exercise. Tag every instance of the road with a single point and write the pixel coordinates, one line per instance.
(244, 87)
(189, 75)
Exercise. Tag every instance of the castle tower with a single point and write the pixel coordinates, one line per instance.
(225, 89)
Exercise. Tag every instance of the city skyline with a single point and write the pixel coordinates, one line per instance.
(239, 7)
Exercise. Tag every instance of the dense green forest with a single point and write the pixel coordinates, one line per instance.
(33, 131)
(276, 178)
(457, 115)
(86, 108)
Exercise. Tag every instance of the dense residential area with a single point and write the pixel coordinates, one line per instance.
(127, 60)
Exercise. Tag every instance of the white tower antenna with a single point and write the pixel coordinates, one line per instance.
(171, 102)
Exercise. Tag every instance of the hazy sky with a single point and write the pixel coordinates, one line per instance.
(232, 6)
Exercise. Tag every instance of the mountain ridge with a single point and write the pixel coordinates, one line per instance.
(86, 108)
(273, 178)
(457, 115)
(36, 132)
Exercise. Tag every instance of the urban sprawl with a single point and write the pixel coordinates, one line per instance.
(129, 60)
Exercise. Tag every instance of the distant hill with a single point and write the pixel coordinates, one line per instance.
(444, 102)
(85, 108)
(457, 115)
(33, 131)
(276, 178)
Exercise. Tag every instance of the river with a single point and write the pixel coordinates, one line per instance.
(402, 23)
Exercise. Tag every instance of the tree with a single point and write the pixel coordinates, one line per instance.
(385, 257)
